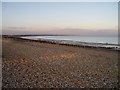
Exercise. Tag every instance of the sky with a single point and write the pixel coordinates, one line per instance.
(71, 18)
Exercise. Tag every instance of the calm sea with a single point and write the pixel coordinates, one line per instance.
(94, 39)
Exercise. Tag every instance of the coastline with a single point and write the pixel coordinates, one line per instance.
(39, 64)
(115, 47)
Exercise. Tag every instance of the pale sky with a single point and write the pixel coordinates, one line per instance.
(78, 18)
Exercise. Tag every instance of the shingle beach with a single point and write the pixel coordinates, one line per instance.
(30, 64)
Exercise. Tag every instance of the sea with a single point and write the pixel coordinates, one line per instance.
(97, 41)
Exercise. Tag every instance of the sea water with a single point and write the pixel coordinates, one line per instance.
(94, 39)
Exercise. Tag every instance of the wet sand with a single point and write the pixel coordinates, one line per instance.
(42, 65)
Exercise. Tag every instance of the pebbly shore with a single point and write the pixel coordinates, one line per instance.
(31, 64)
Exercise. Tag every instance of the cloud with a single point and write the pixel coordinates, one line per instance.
(15, 27)
(75, 31)
(59, 31)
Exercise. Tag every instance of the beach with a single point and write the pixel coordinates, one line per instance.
(35, 64)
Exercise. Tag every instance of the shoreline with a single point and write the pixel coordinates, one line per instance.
(71, 43)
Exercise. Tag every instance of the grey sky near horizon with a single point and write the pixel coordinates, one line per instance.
(88, 18)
